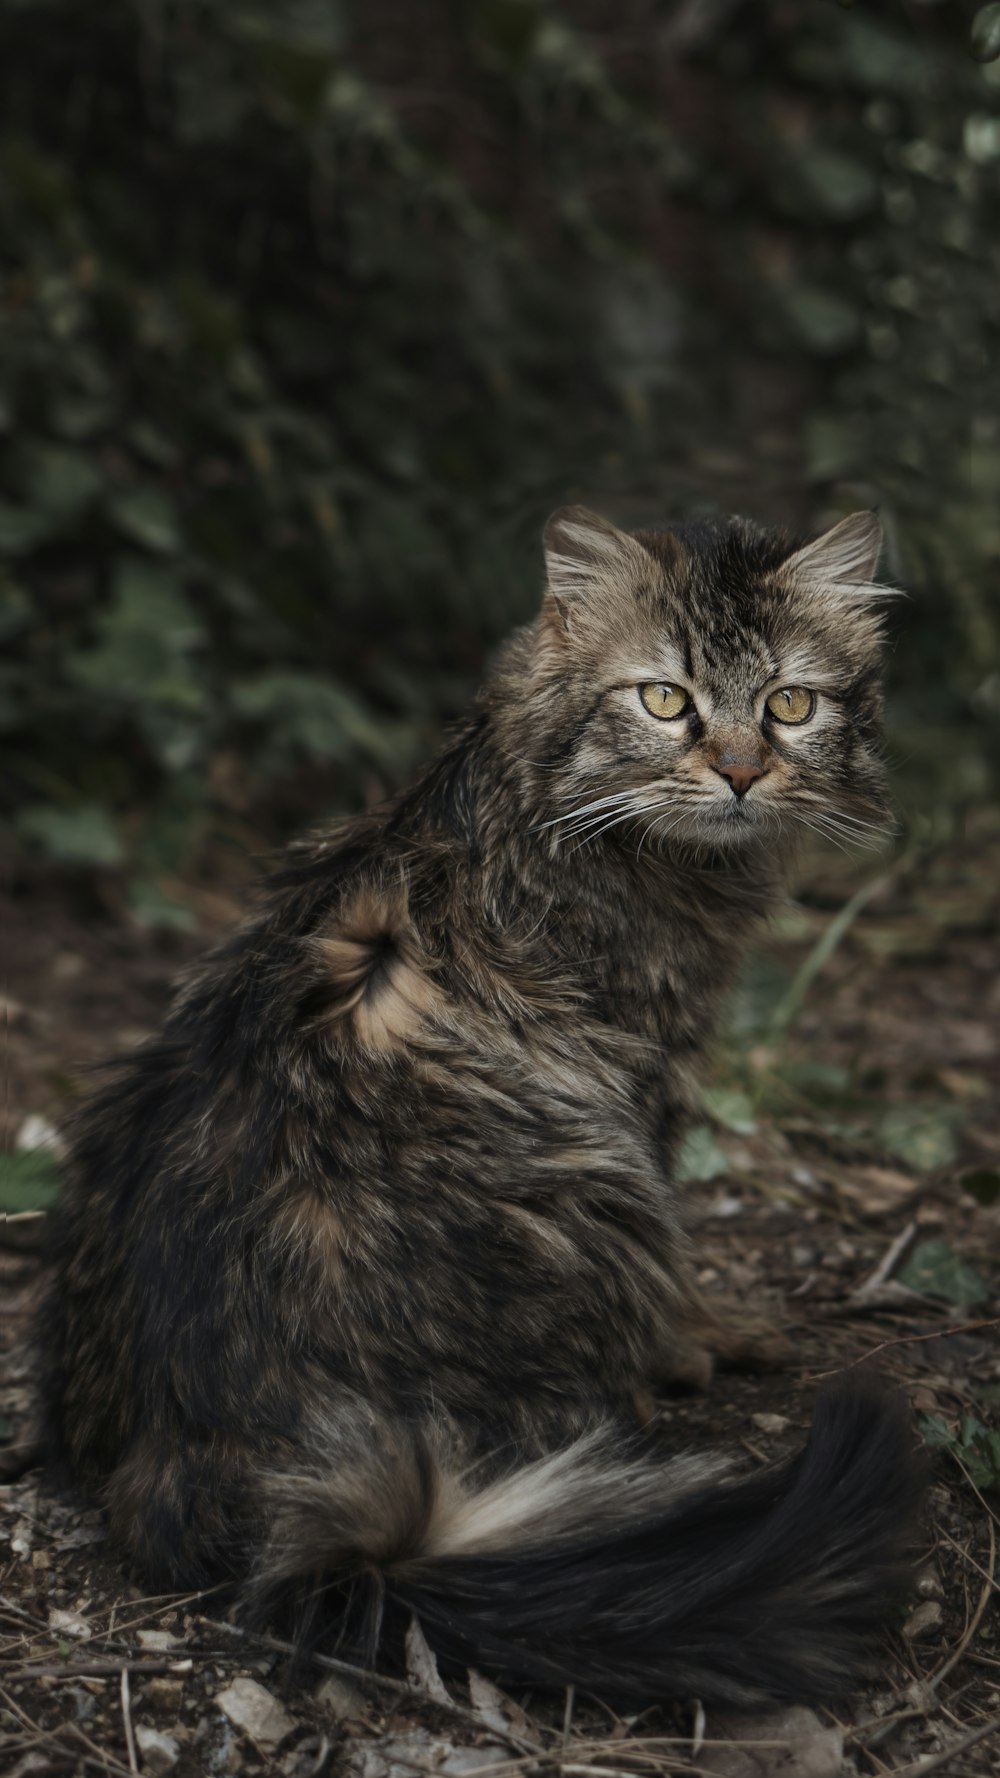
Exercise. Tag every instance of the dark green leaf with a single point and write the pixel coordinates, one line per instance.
(936, 1432)
(85, 835)
(935, 1270)
(29, 1180)
(147, 516)
(923, 1136)
(731, 1108)
(700, 1157)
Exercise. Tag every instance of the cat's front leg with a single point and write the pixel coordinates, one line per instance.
(699, 1339)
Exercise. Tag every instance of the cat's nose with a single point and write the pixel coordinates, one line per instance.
(740, 777)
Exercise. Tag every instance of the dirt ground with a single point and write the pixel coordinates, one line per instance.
(845, 1180)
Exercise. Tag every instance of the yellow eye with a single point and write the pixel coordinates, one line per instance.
(665, 701)
(793, 703)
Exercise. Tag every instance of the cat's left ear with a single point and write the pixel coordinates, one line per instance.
(843, 560)
(585, 555)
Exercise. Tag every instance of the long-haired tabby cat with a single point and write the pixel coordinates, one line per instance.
(368, 1257)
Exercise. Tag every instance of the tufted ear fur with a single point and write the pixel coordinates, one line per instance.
(584, 553)
(842, 563)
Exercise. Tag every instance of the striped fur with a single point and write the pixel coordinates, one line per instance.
(372, 1259)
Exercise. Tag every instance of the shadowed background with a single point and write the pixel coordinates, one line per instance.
(311, 312)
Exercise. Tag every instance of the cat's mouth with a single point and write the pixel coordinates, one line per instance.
(731, 822)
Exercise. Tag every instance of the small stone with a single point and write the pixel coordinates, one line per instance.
(160, 1752)
(340, 1697)
(37, 1133)
(771, 1424)
(69, 1623)
(793, 1741)
(156, 1641)
(921, 1622)
(929, 1583)
(166, 1692)
(250, 1707)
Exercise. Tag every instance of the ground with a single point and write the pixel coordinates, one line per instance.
(845, 1179)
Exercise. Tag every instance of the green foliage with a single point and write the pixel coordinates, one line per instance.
(317, 309)
(924, 1136)
(29, 1180)
(975, 1448)
(701, 1157)
(935, 1269)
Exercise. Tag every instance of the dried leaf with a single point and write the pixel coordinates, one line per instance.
(422, 1667)
(496, 1709)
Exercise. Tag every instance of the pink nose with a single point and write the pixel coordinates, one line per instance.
(740, 777)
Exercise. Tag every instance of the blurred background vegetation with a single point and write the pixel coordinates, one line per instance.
(311, 311)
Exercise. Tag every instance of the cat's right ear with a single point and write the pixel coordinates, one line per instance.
(584, 555)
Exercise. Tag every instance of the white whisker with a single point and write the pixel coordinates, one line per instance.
(601, 802)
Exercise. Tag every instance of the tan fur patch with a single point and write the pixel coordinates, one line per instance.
(549, 1238)
(380, 979)
(306, 1222)
(579, 1489)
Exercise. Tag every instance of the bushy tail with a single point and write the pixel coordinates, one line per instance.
(636, 1580)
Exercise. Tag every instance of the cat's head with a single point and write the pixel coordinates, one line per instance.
(708, 684)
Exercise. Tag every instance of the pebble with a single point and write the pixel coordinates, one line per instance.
(165, 1691)
(771, 1424)
(340, 1698)
(922, 1621)
(929, 1583)
(793, 1741)
(69, 1623)
(250, 1707)
(160, 1752)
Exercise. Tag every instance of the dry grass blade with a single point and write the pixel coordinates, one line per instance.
(133, 1757)
(976, 1619)
(823, 950)
(380, 1681)
(937, 1762)
(939, 1333)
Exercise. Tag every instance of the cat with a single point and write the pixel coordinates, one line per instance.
(371, 1262)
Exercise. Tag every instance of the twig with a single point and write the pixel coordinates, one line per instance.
(924, 1689)
(647, 1750)
(162, 1602)
(932, 1762)
(887, 1265)
(95, 1669)
(568, 1712)
(940, 1333)
(983, 1503)
(133, 1757)
(105, 1762)
(974, 1621)
(959, 1551)
(399, 1687)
